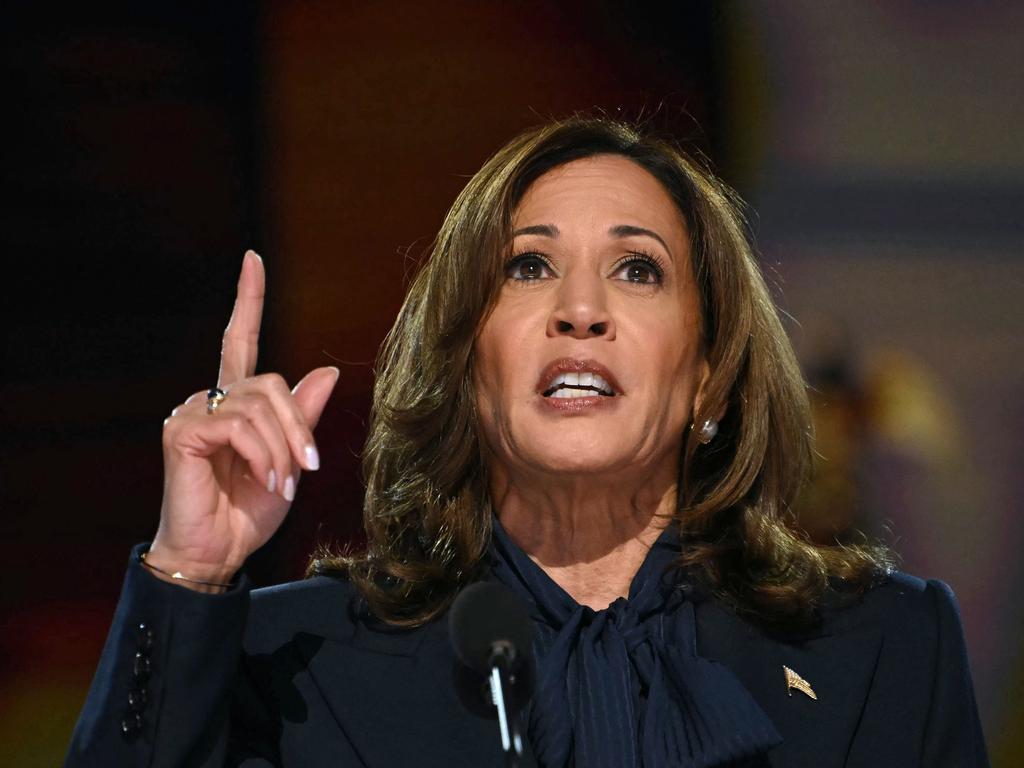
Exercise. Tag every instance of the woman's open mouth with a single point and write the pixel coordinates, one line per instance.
(575, 385)
(571, 385)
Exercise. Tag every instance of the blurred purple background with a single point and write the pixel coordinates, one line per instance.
(144, 150)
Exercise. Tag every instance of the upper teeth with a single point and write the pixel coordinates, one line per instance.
(584, 380)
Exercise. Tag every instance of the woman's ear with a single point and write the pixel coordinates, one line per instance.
(702, 389)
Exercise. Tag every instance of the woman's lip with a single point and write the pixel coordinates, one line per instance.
(578, 404)
(576, 365)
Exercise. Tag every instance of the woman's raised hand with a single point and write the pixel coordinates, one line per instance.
(230, 476)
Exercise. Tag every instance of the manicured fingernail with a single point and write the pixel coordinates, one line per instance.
(312, 457)
(271, 481)
(289, 488)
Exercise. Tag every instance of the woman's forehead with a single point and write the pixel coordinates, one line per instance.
(603, 189)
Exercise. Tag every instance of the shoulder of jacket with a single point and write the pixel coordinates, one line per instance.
(322, 606)
(314, 589)
(900, 603)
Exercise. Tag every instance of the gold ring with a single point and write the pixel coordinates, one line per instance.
(214, 397)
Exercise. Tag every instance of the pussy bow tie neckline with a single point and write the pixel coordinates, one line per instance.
(624, 686)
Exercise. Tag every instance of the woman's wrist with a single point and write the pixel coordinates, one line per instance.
(197, 577)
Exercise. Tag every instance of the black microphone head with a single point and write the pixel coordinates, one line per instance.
(483, 615)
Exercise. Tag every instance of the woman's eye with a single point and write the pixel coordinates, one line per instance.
(639, 271)
(527, 268)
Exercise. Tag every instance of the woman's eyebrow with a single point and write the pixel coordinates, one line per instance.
(548, 230)
(620, 230)
(628, 230)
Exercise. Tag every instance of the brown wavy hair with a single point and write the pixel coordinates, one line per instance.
(427, 512)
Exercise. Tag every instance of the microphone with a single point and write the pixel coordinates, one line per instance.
(492, 636)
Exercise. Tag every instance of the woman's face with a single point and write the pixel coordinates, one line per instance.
(590, 361)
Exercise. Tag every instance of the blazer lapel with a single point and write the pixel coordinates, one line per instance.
(838, 667)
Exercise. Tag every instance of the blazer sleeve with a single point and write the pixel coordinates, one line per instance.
(953, 735)
(169, 669)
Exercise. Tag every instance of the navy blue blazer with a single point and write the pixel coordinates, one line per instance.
(295, 675)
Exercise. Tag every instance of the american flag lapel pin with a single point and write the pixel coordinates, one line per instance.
(794, 681)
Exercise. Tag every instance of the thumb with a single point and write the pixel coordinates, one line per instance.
(311, 394)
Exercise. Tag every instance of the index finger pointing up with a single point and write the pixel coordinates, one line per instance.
(241, 338)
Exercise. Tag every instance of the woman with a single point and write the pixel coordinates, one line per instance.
(588, 397)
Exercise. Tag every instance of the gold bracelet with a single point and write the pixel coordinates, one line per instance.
(177, 575)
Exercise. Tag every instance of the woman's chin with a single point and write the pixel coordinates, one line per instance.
(568, 459)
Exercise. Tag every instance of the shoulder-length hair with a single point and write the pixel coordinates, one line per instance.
(427, 512)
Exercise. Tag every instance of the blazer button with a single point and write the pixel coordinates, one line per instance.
(137, 699)
(142, 666)
(147, 637)
(131, 725)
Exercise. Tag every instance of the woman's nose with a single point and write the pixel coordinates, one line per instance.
(581, 309)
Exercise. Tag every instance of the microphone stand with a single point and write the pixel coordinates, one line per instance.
(502, 680)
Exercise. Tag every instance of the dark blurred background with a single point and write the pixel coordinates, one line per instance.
(143, 150)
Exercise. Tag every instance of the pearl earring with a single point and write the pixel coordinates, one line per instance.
(707, 432)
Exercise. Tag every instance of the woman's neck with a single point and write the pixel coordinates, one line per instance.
(590, 537)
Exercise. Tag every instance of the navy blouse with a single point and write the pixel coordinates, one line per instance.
(624, 686)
